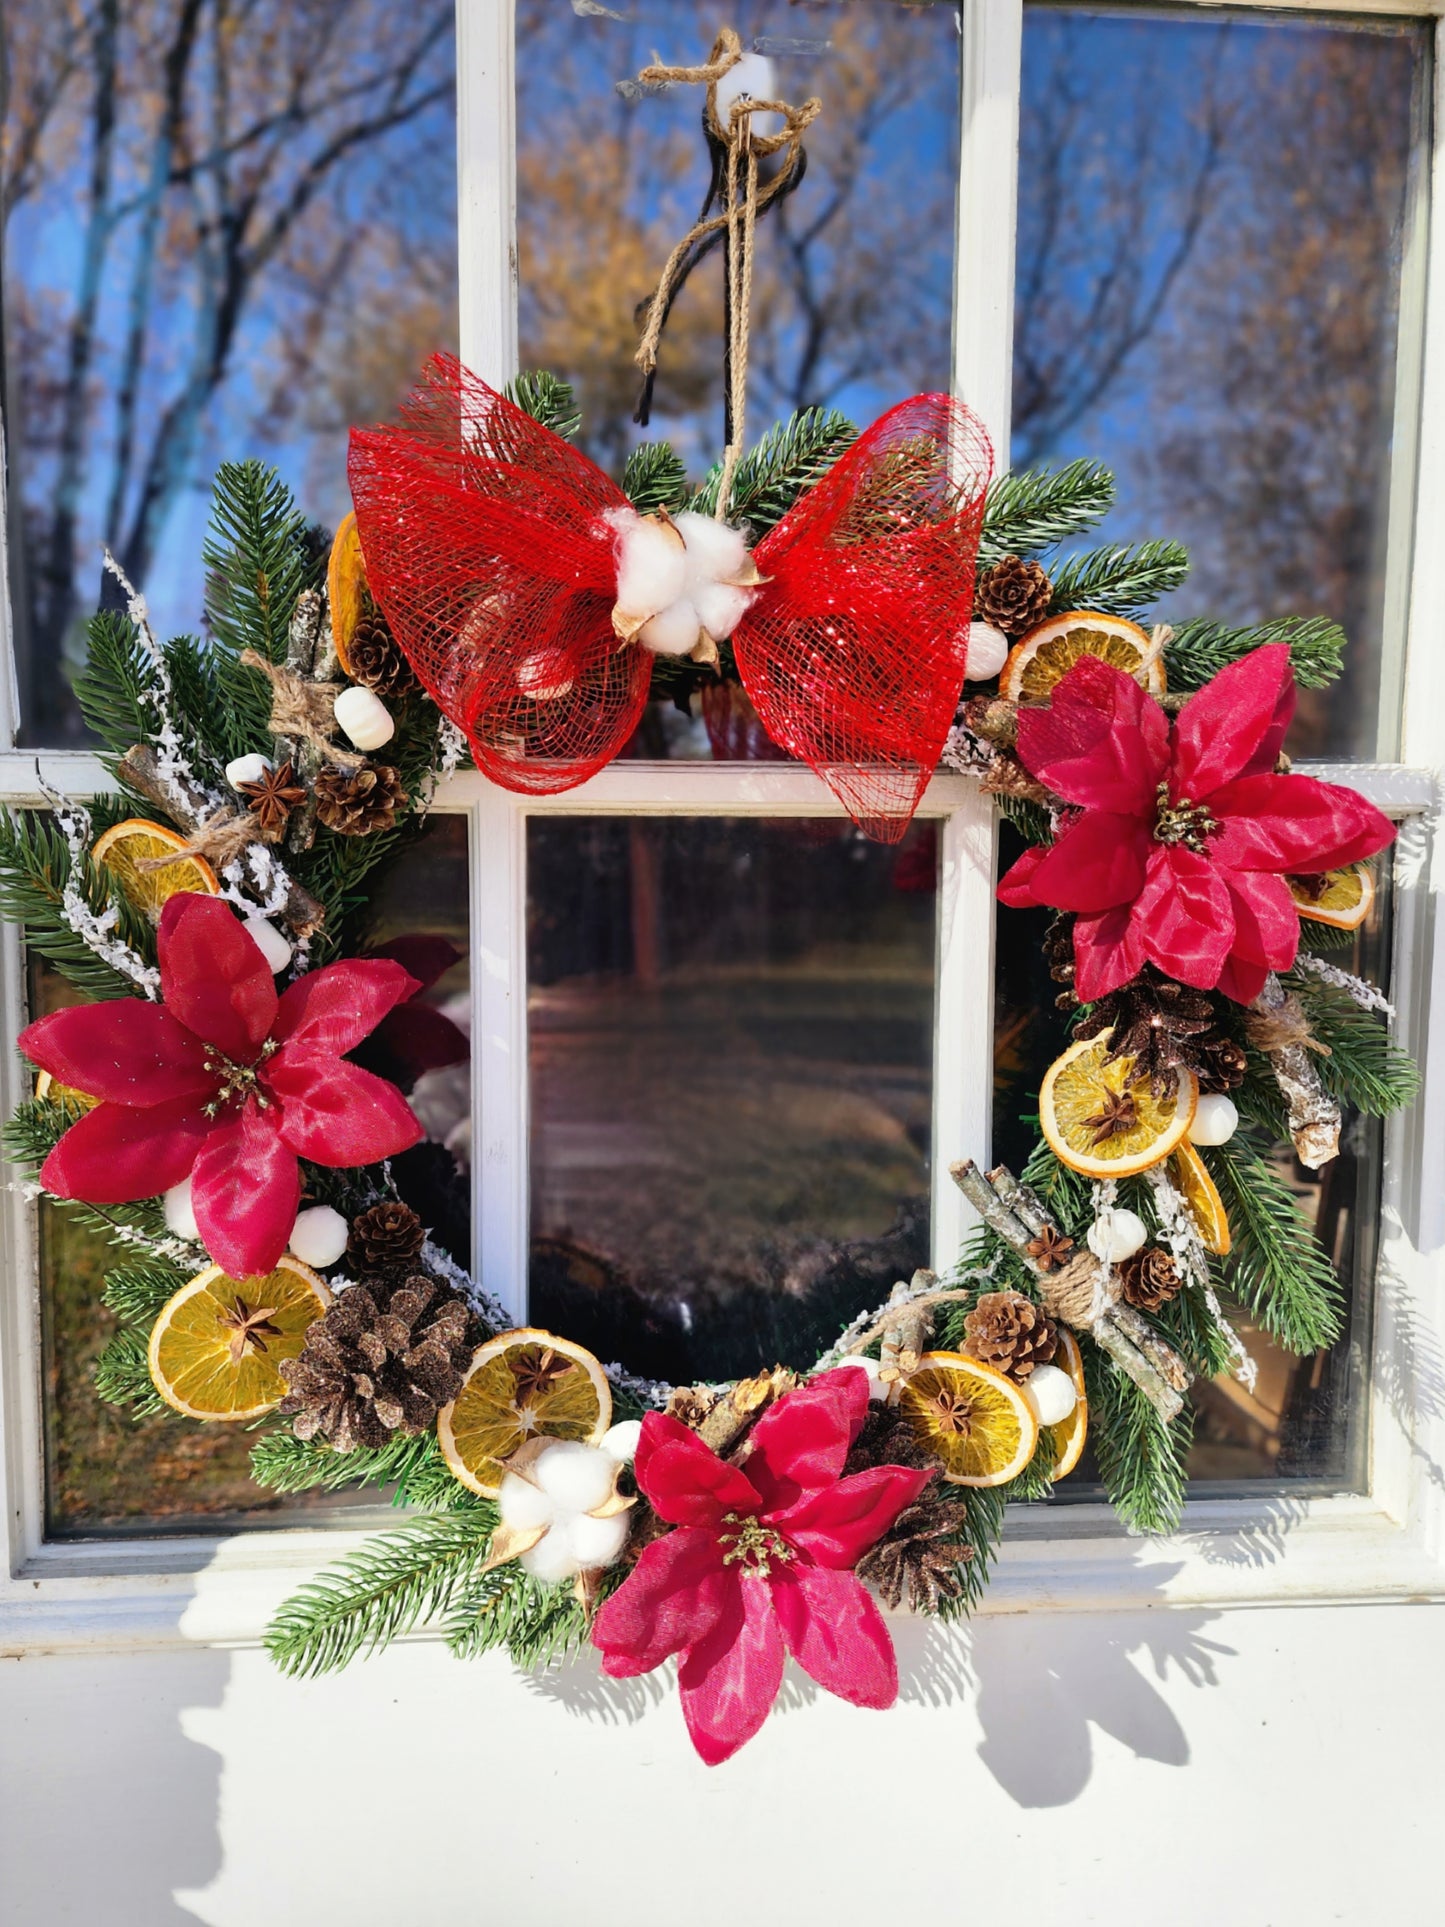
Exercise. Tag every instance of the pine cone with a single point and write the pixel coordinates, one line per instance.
(384, 1359)
(886, 1440)
(1011, 1333)
(920, 1556)
(1058, 950)
(387, 1238)
(1013, 595)
(358, 802)
(374, 659)
(1224, 1064)
(1150, 1278)
(1166, 1027)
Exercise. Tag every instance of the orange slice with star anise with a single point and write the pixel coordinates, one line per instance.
(1103, 1119)
(520, 1386)
(974, 1421)
(1341, 898)
(216, 1349)
(128, 850)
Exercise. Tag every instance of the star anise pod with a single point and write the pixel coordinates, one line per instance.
(1117, 1113)
(535, 1372)
(272, 797)
(249, 1327)
(1049, 1248)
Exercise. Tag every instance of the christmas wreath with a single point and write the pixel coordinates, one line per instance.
(496, 594)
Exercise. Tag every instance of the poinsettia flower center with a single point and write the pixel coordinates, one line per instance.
(238, 1081)
(1183, 822)
(753, 1546)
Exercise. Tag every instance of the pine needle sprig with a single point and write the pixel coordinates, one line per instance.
(35, 870)
(1034, 509)
(1123, 578)
(379, 1592)
(773, 474)
(122, 1376)
(537, 1624)
(137, 1293)
(655, 478)
(112, 688)
(1277, 1268)
(1364, 1069)
(1141, 1458)
(1200, 648)
(414, 1465)
(548, 400)
(985, 1507)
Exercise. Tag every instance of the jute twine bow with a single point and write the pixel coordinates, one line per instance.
(218, 840)
(744, 197)
(1284, 1027)
(302, 709)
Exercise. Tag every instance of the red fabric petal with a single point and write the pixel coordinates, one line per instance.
(245, 1189)
(836, 1526)
(1102, 743)
(684, 1480)
(1097, 862)
(673, 1597)
(1017, 888)
(1183, 917)
(729, 1680)
(116, 1154)
(127, 1051)
(329, 1012)
(338, 1114)
(1222, 727)
(798, 1446)
(425, 956)
(836, 1633)
(1266, 922)
(1108, 951)
(1294, 823)
(1241, 980)
(213, 977)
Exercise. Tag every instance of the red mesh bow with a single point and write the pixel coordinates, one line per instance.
(487, 549)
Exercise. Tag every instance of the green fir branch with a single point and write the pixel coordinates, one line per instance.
(1031, 820)
(413, 1465)
(792, 456)
(1123, 579)
(137, 1293)
(655, 478)
(1200, 649)
(983, 1530)
(1034, 509)
(547, 399)
(35, 870)
(1141, 1457)
(537, 1624)
(122, 1376)
(1277, 1267)
(114, 689)
(1364, 1069)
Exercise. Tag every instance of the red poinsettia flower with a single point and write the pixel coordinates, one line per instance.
(224, 1083)
(1179, 837)
(761, 1562)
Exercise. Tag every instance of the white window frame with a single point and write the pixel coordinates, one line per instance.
(1268, 1548)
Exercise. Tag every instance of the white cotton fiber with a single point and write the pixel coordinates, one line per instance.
(578, 1477)
(673, 631)
(522, 1506)
(551, 1560)
(594, 1542)
(271, 944)
(651, 563)
(180, 1212)
(318, 1236)
(715, 552)
(619, 1441)
(987, 652)
(721, 607)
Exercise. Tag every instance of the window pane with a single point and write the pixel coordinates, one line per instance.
(108, 1473)
(1212, 220)
(217, 243)
(731, 1038)
(1306, 1419)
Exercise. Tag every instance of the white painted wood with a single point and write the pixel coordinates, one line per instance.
(486, 189)
(987, 200)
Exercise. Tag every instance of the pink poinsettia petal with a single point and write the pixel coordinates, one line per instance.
(1241, 980)
(1016, 889)
(126, 1051)
(1108, 951)
(729, 1680)
(213, 977)
(1102, 743)
(1223, 726)
(836, 1633)
(799, 1444)
(836, 1526)
(684, 1480)
(245, 1190)
(116, 1153)
(328, 1012)
(674, 1596)
(1266, 922)
(1182, 917)
(1294, 823)
(1096, 863)
(337, 1114)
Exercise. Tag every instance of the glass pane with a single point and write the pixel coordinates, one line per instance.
(108, 1473)
(731, 1040)
(216, 243)
(1212, 216)
(1305, 1422)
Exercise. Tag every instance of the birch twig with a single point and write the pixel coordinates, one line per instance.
(1277, 1025)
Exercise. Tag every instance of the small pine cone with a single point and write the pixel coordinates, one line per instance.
(358, 802)
(1059, 956)
(384, 1359)
(1222, 1064)
(374, 660)
(920, 1556)
(1011, 1333)
(690, 1404)
(385, 1239)
(886, 1440)
(1164, 1026)
(1006, 776)
(1150, 1278)
(1013, 596)
(992, 718)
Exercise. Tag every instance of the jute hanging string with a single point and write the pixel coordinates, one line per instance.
(744, 194)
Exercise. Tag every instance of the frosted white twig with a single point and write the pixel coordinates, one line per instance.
(963, 752)
(95, 928)
(1366, 995)
(451, 746)
(651, 1391)
(173, 764)
(977, 1274)
(1181, 1234)
(490, 1310)
(1105, 1194)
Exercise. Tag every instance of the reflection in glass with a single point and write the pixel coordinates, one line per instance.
(1305, 1421)
(108, 1473)
(223, 234)
(1212, 212)
(730, 1025)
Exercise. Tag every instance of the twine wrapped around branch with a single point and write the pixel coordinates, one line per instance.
(302, 710)
(1276, 1024)
(218, 840)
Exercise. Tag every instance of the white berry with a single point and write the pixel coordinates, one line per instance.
(246, 769)
(365, 718)
(987, 652)
(1051, 1393)
(180, 1212)
(269, 941)
(877, 1390)
(619, 1442)
(1215, 1120)
(1116, 1235)
(318, 1236)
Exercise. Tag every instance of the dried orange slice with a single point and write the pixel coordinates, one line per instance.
(345, 586)
(1201, 1196)
(521, 1385)
(47, 1091)
(1101, 1119)
(1340, 897)
(976, 1422)
(1070, 1434)
(123, 849)
(1047, 654)
(217, 1346)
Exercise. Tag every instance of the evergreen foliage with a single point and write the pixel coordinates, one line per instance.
(35, 872)
(137, 1293)
(1200, 649)
(122, 1376)
(1030, 510)
(31, 1135)
(115, 689)
(1364, 1069)
(655, 478)
(773, 474)
(1122, 578)
(548, 400)
(413, 1465)
(1141, 1459)
(537, 1624)
(1277, 1267)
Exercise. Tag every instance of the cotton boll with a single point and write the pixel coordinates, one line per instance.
(593, 1542)
(721, 607)
(180, 1212)
(673, 631)
(365, 718)
(1116, 1235)
(651, 564)
(619, 1442)
(551, 1560)
(269, 941)
(578, 1477)
(987, 652)
(1051, 1393)
(523, 1506)
(713, 551)
(246, 769)
(753, 76)
(1215, 1120)
(877, 1390)
(318, 1236)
